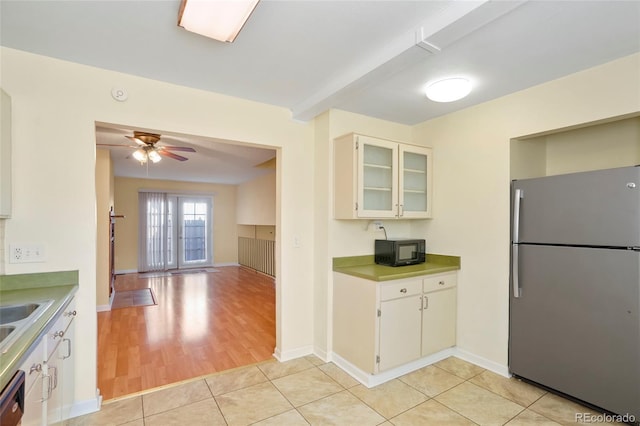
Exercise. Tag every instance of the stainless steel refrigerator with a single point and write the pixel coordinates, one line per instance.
(574, 324)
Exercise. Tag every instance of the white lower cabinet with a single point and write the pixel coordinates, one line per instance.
(49, 373)
(382, 325)
(439, 313)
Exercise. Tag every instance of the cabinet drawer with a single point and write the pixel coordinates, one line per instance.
(439, 282)
(395, 290)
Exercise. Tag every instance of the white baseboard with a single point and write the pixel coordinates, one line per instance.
(126, 271)
(217, 265)
(89, 406)
(292, 354)
(371, 380)
(322, 354)
(485, 363)
(104, 308)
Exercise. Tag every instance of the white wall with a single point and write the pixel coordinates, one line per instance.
(56, 105)
(471, 204)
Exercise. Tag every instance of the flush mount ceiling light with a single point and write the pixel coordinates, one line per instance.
(449, 89)
(220, 19)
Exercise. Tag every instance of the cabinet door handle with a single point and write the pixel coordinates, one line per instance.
(401, 210)
(47, 388)
(55, 377)
(421, 303)
(68, 348)
(441, 282)
(58, 334)
(403, 290)
(426, 302)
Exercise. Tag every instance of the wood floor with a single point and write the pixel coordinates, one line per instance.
(203, 323)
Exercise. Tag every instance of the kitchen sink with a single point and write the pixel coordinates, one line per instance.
(16, 318)
(5, 331)
(15, 313)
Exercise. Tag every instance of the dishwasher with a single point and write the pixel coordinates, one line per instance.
(12, 401)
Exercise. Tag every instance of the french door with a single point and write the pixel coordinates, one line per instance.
(189, 232)
(176, 231)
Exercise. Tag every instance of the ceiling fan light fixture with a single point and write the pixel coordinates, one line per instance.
(154, 156)
(140, 155)
(221, 20)
(449, 89)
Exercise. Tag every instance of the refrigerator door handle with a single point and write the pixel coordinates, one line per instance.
(515, 273)
(517, 196)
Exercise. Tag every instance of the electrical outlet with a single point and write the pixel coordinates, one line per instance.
(377, 225)
(26, 253)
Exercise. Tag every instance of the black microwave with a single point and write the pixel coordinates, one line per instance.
(399, 252)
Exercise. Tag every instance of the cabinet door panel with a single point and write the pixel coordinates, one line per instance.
(377, 177)
(439, 321)
(414, 182)
(399, 331)
(33, 407)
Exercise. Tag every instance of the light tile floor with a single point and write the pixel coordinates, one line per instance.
(308, 391)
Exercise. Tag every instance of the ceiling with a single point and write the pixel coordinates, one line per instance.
(368, 57)
(215, 160)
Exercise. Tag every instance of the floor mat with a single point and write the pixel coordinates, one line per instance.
(131, 298)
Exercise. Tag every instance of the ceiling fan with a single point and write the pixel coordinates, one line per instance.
(146, 149)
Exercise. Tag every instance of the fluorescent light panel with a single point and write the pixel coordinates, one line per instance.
(218, 19)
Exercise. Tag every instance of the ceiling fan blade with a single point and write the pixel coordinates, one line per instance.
(116, 145)
(179, 148)
(136, 140)
(171, 155)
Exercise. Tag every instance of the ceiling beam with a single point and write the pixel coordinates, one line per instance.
(453, 22)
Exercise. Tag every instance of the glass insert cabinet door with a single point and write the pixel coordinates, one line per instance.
(379, 178)
(414, 182)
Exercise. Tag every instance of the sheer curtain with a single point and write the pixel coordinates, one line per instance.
(153, 228)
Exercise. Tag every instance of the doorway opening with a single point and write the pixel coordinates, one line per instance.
(202, 319)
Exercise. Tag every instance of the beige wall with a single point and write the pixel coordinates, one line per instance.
(600, 146)
(260, 232)
(56, 105)
(472, 175)
(335, 238)
(225, 237)
(257, 201)
(593, 146)
(104, 201)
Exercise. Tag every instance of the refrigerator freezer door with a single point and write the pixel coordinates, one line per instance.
(575, 327)
(591, 208)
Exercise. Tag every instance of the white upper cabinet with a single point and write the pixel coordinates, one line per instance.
(377, 178)
(5, 155)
